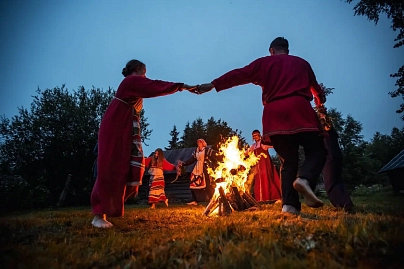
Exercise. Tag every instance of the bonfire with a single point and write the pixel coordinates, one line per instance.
(230, 177)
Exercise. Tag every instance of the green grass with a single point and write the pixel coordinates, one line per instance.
(180, 237)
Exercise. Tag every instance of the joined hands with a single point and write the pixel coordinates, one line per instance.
(199, 89)
(204, 88)
(189, 87)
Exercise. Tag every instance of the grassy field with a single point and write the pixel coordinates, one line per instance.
(180, 237)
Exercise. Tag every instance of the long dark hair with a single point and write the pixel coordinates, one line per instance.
(132, 66)
(159, 161)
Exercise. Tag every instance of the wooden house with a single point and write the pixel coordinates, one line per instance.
(395, 171)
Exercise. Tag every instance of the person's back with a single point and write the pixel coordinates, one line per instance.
(284, 75)
(288, 121)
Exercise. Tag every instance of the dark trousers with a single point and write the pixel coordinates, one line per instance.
(332, 172)
(287, 147)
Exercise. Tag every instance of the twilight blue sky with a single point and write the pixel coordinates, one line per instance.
(47, 43)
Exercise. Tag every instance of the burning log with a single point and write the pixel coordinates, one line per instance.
(230, 197)
(239, 200)
(225, 204)
(231, 174)
(246, 204)
(251, 200)
(220, 211)
(211, 206)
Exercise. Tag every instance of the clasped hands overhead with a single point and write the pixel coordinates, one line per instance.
(199, 89)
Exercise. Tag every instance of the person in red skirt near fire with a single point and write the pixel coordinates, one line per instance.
(157, 164)
(266, 182)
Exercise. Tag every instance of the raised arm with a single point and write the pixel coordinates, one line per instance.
(236, 77)
(189, 161)
(240, 76)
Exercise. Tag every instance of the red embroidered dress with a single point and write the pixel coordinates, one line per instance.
(156, 181)
(120, 155)
(266, 179)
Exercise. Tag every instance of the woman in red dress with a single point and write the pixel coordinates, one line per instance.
(267, 185)
(120, 156)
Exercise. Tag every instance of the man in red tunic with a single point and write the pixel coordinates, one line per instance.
(288, 84)
(120, 162)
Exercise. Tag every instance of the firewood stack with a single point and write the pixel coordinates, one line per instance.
(227, 202)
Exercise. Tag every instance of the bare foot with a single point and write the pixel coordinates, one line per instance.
(166, 202)
(290, 210)
(302, 186)
(100, 221)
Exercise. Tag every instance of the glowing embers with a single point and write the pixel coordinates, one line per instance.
(224, 203)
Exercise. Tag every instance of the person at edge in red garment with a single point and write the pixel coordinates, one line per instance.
(120, 162)
(288, 85)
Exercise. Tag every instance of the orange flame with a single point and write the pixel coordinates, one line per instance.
(234, 169)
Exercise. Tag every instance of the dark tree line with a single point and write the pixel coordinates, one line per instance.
(40, 146)
(213, 132)
(363, 159)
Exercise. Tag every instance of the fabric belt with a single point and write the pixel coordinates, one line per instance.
(121, 100)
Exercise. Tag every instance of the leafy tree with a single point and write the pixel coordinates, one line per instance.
(212, 131)
(218, 131)
(382, 148)
(326, 90)
(186, 138)
(144, 132)
(174, 142)
(41, 146)
(359, 167)
(197, 130)
(394, 11)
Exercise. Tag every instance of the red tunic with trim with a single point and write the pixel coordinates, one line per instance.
(115, 144)
(288, 84)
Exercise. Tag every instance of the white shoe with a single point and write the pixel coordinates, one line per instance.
(302, 186)
(290, 209)
(101, 222)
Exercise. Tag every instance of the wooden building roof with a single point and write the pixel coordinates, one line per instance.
(395, 163)
(178, 154)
